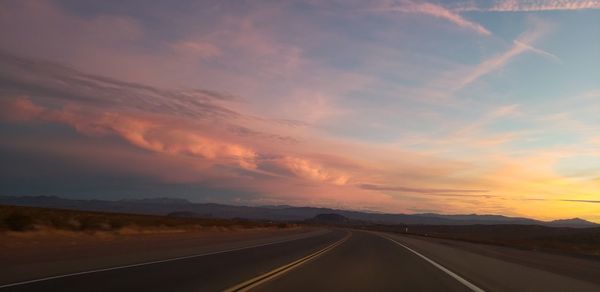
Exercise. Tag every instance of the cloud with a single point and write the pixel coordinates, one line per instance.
(521, 45)
(58, 84)
(495, 114)
(465, 196)
(197, 123)
(583, 201)
(20, 109)
(272, 171)
(417, 190)
(153, 134)
(437, 11)
(201, 49)
(308, 169)
(65, 84)
(533, 5)
(213, 95)
(537, 51)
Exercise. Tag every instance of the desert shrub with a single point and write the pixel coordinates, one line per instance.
(92, 223)
(116, 224)
(64, 222)
(19, 222)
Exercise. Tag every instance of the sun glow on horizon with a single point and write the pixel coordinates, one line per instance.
(455, 107)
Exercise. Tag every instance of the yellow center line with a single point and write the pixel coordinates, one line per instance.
(247, 285)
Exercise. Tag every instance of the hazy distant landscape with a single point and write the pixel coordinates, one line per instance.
(181, 207)
(574, 236)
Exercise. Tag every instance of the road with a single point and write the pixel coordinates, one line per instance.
(340, 260)
(366, 262)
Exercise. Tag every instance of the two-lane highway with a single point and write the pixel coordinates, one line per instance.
(339, 260)
(366, 262)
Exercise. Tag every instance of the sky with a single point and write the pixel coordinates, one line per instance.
(453, 107)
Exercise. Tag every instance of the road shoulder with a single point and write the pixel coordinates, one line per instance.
(494, 273)
(64, 256)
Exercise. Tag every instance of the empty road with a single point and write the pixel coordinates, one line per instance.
(340, 260)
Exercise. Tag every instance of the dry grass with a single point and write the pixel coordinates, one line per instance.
(582, 241)
(16, 219)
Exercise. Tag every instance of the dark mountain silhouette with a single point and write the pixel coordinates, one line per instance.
(578, 222)
(164, 206)
(332, 218)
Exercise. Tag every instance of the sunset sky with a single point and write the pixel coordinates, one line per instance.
(488, 107)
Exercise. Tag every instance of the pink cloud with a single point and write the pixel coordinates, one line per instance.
(180, 138)
(534, 5)
(19, 109)
(412, 179)
(311, 180)
(157, 134)
(201, 49)
(439, 12)
(171, 136)
(305, 168)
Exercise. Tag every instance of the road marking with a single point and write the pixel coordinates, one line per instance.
(452, 274)
(247, 285)
(153, 262)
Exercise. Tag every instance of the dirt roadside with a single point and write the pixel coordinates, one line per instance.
(31, 255)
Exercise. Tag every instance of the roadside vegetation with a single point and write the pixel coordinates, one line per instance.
(23, 219)
(580, 241)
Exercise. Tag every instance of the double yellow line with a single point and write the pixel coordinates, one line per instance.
(247, 285)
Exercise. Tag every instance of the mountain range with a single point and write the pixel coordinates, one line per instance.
(165, 206)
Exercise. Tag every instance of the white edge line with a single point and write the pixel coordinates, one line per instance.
(452, 274)
(151, 262)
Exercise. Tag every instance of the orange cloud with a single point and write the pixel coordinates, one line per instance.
(384, 178)
(158, 135)
(19, 109)
(308, 169)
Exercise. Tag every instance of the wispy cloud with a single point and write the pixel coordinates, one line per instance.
(200, 49)
(532, 5)
(583, 201)
(563, 200)
(435, 10)
(417, 190)
(488, 118)
(60, 84)
(521, 45)
(537, 51)
(486, 196)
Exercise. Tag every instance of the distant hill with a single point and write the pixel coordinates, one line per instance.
(577, 222)
(335, 219)
(164, 206)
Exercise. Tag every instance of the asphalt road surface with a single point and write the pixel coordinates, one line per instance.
(340, 260)
(366, 262)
